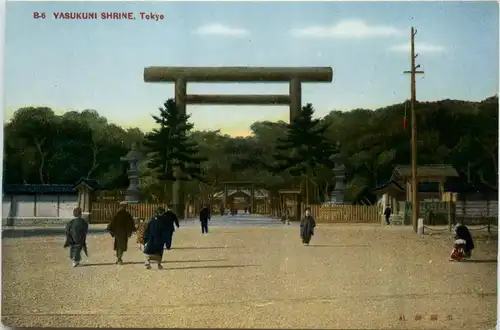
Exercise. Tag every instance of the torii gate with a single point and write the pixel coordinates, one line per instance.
(295, 76)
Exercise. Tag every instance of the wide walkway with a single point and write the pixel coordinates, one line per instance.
(240, 220)
(356, 276)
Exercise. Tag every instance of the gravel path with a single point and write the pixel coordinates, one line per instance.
(352, 276)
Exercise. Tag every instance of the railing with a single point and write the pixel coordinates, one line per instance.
(346, 213)
(103, 212)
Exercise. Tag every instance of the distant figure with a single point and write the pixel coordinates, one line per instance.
(141, 228)
(249, 209)
(121, 228)
(387, 214)
(221, 211)
(204, 217)
(307, 225)
(171, 221)
(155, 237)
(464, 244)
(76, 237)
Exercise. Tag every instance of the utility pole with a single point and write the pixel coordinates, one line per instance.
(414, 179)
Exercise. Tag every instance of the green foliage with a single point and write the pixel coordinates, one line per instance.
(42, 147)
(304, 148)
(170, 146)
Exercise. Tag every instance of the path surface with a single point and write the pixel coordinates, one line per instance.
(240, 220)
(352, 276)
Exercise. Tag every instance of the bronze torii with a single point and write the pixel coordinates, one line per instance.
(295, 76)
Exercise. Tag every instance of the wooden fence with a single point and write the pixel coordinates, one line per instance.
(346, 213)
(103, 212)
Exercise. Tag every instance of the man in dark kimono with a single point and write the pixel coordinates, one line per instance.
(121, 228)
(76, 236)
(204, 217)
(307, 225)
(171, 221)
(155, 237)
(387, 214)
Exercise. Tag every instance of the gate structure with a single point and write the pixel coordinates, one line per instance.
(294, 76)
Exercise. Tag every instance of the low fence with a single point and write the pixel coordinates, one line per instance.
(346, 213)
(440, 216)
(103, 212)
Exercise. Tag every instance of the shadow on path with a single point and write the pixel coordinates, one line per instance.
(339, 245)
(142, 262)
(212, 267)
(484, 261)
(112, 264)
(203, 247)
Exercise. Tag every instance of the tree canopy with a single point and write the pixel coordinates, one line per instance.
(43, 147)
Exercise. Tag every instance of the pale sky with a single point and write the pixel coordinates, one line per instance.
(98, 64)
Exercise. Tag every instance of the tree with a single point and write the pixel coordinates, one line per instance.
(170, 147)
(304, 148)
(36, 127)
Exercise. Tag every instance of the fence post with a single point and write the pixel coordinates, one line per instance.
(488, 215)
(449, 215)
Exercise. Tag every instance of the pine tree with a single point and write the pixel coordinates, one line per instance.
(171, 147)
(304, 148)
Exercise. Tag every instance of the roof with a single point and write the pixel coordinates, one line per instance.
(289, 191)
(91, 183)
(443, 170)
(49, 189)
(387, 184)
(258, 193)
(456, 187)
(38, 189)
(248, 184)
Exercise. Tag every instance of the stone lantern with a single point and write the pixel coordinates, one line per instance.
(133, 157)
(337, 195)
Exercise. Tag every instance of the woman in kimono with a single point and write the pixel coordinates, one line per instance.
(463, 245)
(141, 228)
(307, 225)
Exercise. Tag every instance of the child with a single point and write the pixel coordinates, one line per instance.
(141, 227)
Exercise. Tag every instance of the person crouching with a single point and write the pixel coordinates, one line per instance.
(463, 245)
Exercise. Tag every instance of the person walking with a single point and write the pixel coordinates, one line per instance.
(387, 214)
(204, 217)
(155, 237)
(121, 228)
(141, 227)
(307, 225)
(76, 237)
(171, 221)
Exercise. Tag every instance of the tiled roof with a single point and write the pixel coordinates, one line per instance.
(92, 183)
(426, 170)
(35, 189)
(457, 187)
(54, 189)
(385, 185)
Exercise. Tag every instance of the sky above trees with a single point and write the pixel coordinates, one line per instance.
(75, 65)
